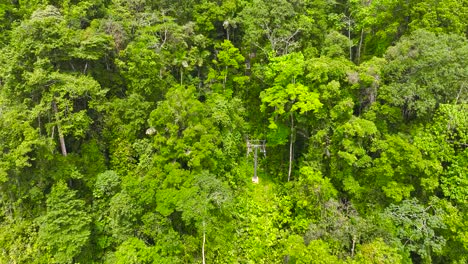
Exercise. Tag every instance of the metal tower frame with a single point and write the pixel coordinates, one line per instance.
(253, 145)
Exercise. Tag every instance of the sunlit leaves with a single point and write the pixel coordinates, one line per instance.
(288, 94)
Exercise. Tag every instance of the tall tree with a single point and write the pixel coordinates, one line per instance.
(288, 95)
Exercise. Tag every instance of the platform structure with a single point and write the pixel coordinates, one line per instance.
(256, 145)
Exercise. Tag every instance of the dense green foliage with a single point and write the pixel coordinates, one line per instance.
(123, 127)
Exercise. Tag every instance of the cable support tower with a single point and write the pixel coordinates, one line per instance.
(254, 146)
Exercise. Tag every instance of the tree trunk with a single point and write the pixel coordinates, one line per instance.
(349, 39)
(63, 147)
(181, 76)
(352, 248)
(39, 125)
(358, 55)
(291, 147)
(459, 93)
(203, 245)
(225, 78)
